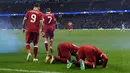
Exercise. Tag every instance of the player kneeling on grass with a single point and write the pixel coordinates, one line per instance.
(93, 55)
(65, 51)
(33, 18)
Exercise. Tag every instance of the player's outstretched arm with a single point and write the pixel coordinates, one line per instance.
(105, 58)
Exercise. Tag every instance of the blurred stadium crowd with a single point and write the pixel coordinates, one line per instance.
(91, 21)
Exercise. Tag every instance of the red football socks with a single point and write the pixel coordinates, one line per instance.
(51, 43)
(46, 46)
(28, 48)
(35, 50)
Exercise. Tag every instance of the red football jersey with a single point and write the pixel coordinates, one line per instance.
(33, 20)
(70, 27)
(71, 47)
(90, 52)
(49, 20)
(92, 48)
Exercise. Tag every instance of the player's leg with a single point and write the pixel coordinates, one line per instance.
(81, 56)
(28, 51)
(51, 50)
(28, 48)
(46, 40)
(28, 40)
(51, 44)
(51, 35)
(35, 51)
(63, 54)
(46, 45)
(59, 54)
(66, 54)
(70, 30)
(59, 59)
(91, 57)
(47, 52)
(89, 64)
(35, 43)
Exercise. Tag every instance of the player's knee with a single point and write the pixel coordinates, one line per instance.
(36, 46)
(27, 44)
(51, 40)
(46, 42)
(35, 43)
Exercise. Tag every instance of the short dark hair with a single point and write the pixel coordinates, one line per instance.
(37, 5)
(48, 10)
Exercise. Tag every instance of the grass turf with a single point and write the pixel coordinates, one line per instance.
(114, 43)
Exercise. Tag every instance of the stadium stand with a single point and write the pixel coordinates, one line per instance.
(91, 21)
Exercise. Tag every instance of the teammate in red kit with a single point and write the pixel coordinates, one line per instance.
(65, 51)
(70, 27)
(48, 30)
(33, 20)
(93, 55)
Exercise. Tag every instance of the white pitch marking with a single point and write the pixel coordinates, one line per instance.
(27, 71)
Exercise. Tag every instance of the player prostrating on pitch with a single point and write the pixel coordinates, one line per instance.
(48, 30)
(93, 55)
(65, 51)
(33, 20)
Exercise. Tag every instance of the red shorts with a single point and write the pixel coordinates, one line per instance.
(63, 51)
(49, 32)
(32, 37)
(89, 54)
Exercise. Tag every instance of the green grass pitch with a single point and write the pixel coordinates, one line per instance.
(115, 43)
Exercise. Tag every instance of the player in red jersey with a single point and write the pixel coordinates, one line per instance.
(65, 51)
(93, 55)
(48, 30)
(33, 19)
(70, 27)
